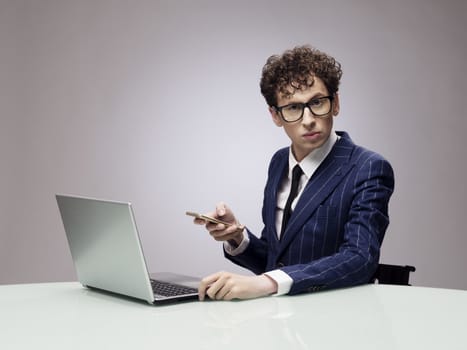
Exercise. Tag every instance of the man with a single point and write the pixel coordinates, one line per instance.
(325, 208)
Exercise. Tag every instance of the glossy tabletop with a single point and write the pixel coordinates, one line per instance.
(69, 316)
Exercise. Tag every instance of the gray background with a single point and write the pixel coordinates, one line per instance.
(157, 103)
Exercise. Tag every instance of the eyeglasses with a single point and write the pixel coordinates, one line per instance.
(319, 107)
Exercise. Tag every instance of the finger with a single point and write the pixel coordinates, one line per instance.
(210, 226)
(239, 227)
(221, 209)
(223, 235)
(199, 221)
(218, 288)
(221, 231)
(223, 293)
(229, 296)
(202, 290)
(214, 288)
(206, 284)
(235, 228)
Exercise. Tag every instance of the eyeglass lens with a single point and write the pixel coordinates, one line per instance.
(319, 106)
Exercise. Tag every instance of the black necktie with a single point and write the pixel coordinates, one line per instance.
(296, 174)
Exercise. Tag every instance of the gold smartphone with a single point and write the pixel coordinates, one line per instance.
(207, 218)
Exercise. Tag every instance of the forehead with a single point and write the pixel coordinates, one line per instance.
(303, 94)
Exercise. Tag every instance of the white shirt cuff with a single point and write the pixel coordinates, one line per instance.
(231, 250)
(284, 281)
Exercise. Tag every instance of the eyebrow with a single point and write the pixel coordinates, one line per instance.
(319, 94)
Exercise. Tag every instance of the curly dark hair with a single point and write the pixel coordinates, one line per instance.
(294, 70)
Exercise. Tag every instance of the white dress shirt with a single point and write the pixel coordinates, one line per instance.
(308, 165)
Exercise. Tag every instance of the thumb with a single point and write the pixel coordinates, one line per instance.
(221, 209)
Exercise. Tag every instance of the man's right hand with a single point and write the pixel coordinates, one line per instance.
(220, 232)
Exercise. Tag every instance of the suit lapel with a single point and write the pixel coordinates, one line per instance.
(278, 173)
(328, 175)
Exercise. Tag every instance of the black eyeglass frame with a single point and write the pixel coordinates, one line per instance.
(304, 105)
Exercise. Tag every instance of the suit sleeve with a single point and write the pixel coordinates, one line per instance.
(357, 257)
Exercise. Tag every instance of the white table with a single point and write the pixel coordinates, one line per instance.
(69, 316)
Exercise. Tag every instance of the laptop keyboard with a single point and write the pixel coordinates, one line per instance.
(169, 289)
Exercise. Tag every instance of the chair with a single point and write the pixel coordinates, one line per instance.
(393, 274)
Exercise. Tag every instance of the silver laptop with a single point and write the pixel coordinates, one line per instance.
(107, 252)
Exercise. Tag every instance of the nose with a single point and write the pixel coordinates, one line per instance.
(308, 117)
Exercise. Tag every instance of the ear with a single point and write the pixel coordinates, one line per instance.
(276, 118)
(335, 105)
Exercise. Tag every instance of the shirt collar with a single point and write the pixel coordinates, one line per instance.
(311, 162)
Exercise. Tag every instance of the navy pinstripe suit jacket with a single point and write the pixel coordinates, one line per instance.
(334, 235)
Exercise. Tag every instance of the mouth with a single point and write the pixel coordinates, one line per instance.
(311, 135)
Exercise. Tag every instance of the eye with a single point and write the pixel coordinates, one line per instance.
(294, 107)
(315, 102)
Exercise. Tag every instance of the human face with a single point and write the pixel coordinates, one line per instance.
(310, 132)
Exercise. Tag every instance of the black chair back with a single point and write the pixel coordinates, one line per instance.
(393, 274)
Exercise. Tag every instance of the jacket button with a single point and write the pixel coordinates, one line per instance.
(315, 288)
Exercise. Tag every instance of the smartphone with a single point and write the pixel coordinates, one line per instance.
(207, 218)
